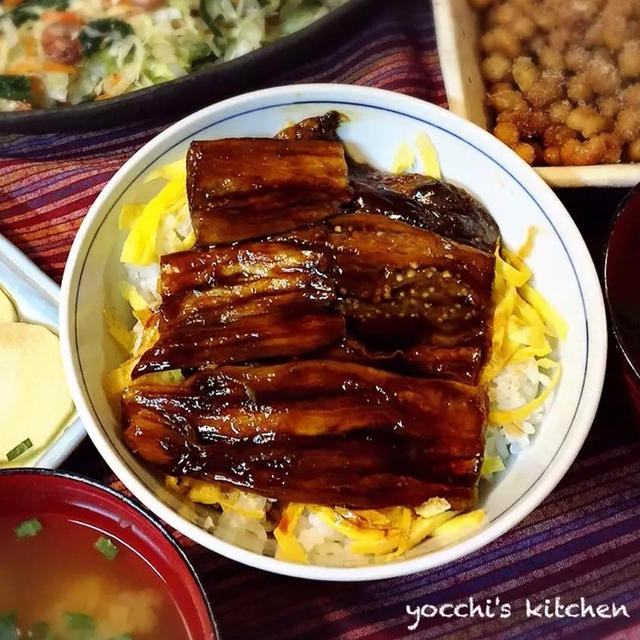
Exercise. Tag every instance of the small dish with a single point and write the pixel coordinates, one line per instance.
(457, 33)
(35, 297)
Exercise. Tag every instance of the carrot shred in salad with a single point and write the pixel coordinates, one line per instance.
(61, 52)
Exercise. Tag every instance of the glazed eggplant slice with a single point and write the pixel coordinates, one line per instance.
(248, 262)
(244, 188)
(406, 289)
(388, 271)
(418, 200)
(262, 337)
(315, 432)
(253, 301)
(424, 202)
(322, 127)
(414, 301)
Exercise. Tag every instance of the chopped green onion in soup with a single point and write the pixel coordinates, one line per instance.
(79, 621)
(42, 631)
(106, 547)
(28, 529)
(19, 449)
(8, 630)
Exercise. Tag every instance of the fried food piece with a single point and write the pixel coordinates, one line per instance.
(244, 188)
(411, 298)
(237, 304)
(322, 127)
(315, 432)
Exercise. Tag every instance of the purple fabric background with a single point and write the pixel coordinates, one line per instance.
(583, 541)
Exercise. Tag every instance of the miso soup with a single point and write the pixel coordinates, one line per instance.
(64, 580)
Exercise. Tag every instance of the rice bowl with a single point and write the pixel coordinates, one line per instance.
(523, 484)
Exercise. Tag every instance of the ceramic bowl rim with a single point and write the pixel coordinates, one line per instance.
(565, 455)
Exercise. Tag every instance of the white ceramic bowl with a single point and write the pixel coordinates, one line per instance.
(378, 122)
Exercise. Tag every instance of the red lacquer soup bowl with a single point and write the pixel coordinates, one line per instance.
(78, 559)
(622, 285)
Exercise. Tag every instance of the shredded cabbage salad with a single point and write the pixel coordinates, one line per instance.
(58, 52)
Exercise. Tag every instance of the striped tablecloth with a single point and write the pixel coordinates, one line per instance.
(582, 542)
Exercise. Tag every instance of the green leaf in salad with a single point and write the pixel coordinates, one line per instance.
(8, 630)
(199, 51)
(100, 33)
(15, 87)
(209, 16)
(31, 9)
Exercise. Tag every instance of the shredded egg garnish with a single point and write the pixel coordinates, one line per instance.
(288, 546)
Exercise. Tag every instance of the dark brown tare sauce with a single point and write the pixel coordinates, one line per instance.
(332, 323)
(412, 198)
(426, 203)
